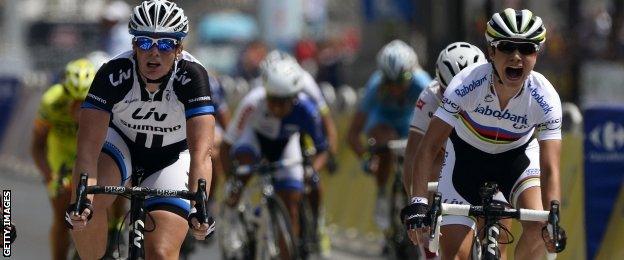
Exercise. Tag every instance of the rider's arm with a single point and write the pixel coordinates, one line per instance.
(330, 130)
(550, 152)
(200, 138)
(39, 147)
(314, 128)
(357, 124)
(427, 151)
(91, 135)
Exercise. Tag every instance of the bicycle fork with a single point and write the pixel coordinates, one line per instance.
(490, 248)
(137, 228)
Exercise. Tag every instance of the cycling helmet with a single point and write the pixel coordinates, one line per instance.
(78, 77)
(396, 60)
(277, 56)
(282, 79)
(513, 25)
(455, 57)
(158, 17)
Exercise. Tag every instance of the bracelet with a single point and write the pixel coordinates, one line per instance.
(421, 200)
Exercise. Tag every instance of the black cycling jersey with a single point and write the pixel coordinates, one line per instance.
(152, 124)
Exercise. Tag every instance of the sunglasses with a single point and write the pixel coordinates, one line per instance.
(400, 82)
(525, 48)
(279, 100)
(164, 44)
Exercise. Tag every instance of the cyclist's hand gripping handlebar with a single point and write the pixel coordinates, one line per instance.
(201, 223)
(74, 217)
(554, 235)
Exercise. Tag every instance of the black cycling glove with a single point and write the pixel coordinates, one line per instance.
(86, 205)
(195, 214)
(415, 216)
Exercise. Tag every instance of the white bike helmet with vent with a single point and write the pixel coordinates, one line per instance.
(396, 59)
(454, 58)
(513, 25)
(282, 79)
(276, 56)
(159, 17)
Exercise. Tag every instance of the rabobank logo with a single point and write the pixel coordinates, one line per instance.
(465, 89)
(608, 136)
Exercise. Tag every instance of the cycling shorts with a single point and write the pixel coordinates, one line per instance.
(466, 169)
(260, 147)
(174, 176)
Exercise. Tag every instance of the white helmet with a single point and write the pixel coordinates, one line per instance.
(454, 58)
(158, 17)
(395, 59)
(515, 25)
(276, 56)
(282, 79)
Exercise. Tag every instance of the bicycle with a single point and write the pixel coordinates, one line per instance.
(397, 243)
(308, 219)
(266, 227)
(137, 196)
(492, 212)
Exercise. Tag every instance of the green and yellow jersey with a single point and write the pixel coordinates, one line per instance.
(57, 112)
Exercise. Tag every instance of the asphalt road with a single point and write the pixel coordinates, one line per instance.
(31, 214)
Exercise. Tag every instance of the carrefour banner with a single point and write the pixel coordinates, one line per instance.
(604, 172)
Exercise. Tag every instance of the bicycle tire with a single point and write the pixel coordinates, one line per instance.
(279, 224)
(308, 228)
(247, 248)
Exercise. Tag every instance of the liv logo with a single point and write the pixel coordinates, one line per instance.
(150, 113)
(137, 229)
(492, 243)
(122, 76)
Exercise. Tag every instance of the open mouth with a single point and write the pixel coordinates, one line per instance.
(153, 65)
(513, 73)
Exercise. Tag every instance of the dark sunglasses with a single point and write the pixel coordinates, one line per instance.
(525, 48)
(164, 44)
(279, 100)
(403, 78)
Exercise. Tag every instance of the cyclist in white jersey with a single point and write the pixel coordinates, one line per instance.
(267, 125)
(489, 115)
(149, 108)
(313, 91)
(452, 59)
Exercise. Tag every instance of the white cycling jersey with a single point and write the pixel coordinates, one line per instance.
(470, 105)
(428, 101)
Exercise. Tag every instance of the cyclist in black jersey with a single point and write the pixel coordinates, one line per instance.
(150, 109)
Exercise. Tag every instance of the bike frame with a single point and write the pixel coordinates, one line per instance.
(136, 247)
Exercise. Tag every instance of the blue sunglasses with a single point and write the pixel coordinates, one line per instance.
(164, 44)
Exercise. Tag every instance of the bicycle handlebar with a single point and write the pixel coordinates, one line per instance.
(200, 196)
(438, 209)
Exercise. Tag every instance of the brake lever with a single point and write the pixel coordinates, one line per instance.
(81, 193)
(434, 212)
(201, 201)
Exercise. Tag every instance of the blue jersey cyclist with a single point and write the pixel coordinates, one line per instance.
(385, 112)
(148, 108)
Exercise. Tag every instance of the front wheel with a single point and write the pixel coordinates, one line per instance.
(275, 238)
